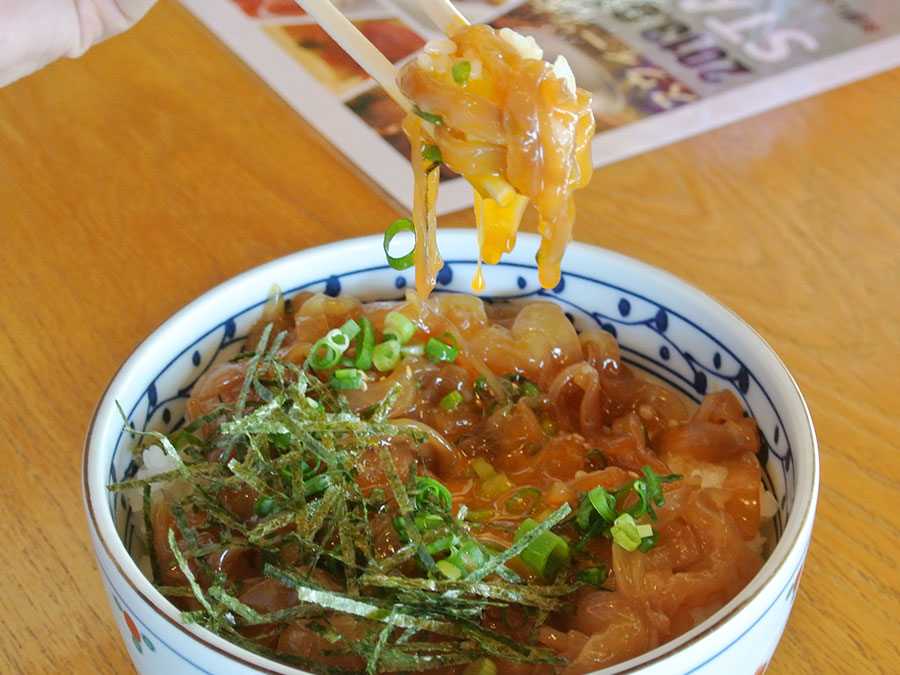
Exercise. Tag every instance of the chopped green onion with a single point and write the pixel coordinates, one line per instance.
(643, 505)
(461, 71)
(386, 355)
(430, 521)
(496, 485)
(595, 460)
(532, 448)
(413, 349)
(310, 486)
(428, 117)
(404, 261)
(520, 387)
(346, 378)
(264, 506)
(428, 488)
(365, 344)
(423, 523)
(432, 153)
(482, 469)
(334, 344)
(337, 339)
(593, 576)
(546, 554)
(481, 667)
(449, 570)
(468, 557)
(281, 442)
(549, 427)
(648, 542)
(524, 502)
(350, 329)
(654, 488)
(316, 485)
(481, 384)
(445, 543)
(399, 326)
(621, 527)
(604, 503)
(439, 351)
(648, 489)
(624, 532)
(583, 517)
(329, 359)
(480, 514)
(528, 388)
(400, 527)
(451, 400)
(308, 470)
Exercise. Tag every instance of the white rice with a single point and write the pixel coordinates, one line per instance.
(768, 505)
(564, 72)
(440, 46)
(154, 461)
(525, 45)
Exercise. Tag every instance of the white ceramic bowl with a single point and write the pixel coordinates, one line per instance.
(663, 325)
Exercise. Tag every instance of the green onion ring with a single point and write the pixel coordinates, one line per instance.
(386, 355)
(461, 71)
(346, 378)
(654, 488)
(432, 153)
(405, 261)
(625, 533)
(309, 471)
(428, 117)
(337, 339)
(604, 503)
(648, 542)
(451, 400)
(428, 486)
(350, 328)
(329, 360)
(398, 326)
(264, 506)
(528, 509)
(594, 576)
(548, 553)
(439, 351)
(365, 344)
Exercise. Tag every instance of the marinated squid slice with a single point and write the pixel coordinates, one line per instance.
(516, 127)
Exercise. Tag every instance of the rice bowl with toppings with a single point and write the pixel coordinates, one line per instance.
(724, 356)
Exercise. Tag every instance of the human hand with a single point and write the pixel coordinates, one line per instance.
(34, 33)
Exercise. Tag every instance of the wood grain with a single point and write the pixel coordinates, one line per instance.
(157, 166)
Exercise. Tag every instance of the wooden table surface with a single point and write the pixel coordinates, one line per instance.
(157, 166)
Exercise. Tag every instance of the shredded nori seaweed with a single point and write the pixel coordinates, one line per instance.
(411, 617)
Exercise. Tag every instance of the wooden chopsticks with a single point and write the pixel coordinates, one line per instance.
(444, 15)
(357, 46)
(442, 12)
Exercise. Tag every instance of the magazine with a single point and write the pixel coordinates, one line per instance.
(659, 70)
